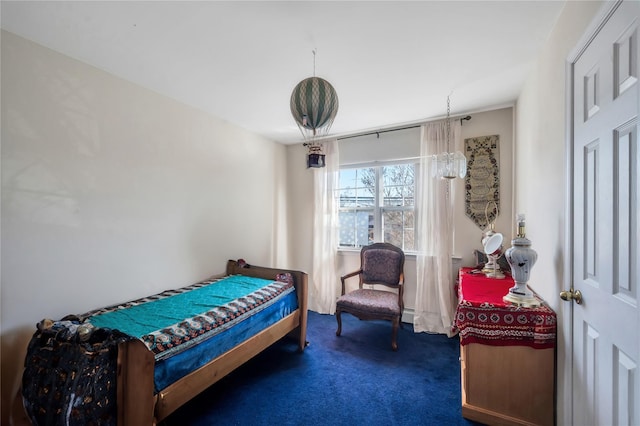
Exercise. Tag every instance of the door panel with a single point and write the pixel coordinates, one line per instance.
(626, 374)
(606, 348)
(625, 186)
(590, 212)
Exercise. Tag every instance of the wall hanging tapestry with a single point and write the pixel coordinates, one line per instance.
(482, 183)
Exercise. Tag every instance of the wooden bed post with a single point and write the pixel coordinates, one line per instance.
(303, 289)
(136, 401)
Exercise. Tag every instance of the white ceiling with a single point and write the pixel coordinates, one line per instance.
(391, 62)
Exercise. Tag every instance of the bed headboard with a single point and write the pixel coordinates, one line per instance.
(300, 279)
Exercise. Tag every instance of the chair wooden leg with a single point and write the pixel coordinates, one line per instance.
(339, 319)
(394, 334)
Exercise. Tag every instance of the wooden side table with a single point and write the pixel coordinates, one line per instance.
(507, 355)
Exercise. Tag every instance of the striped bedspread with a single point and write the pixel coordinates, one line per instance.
(174, 320)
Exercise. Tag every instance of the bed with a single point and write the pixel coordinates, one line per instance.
(155, 370)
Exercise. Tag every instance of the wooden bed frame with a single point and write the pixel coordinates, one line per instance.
(137, 403)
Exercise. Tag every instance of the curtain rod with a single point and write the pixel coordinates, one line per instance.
(465, 118)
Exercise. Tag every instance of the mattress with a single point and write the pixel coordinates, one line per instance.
(188, 327)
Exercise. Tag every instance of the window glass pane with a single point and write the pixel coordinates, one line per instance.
(345, 199)
(409, 195)
(399, 229)
(392, 226)
(356, 228)
(347, 221)
(357, 187)
(400, 174)
(364, 228)
(409, 240)
(360, 197)
(348, 199)
(367, 179)
(347, 178)
(393, 196)
(365, 197)
(398, 185)
(409, 230)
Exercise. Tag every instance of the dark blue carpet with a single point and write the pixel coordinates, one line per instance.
(354, 379)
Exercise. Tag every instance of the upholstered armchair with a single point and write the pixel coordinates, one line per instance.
(381, 264)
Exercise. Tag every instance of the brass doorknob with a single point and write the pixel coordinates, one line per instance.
(569, 295)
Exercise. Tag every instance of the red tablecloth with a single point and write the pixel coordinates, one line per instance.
(483, 317)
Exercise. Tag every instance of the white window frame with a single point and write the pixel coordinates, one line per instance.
(378, 207)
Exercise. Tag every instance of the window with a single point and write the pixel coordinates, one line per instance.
(377, 204)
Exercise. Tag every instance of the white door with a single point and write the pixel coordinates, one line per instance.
(606, 325)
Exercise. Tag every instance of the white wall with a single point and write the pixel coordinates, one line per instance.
(112, 192)
(398, 145)
(467, 235)
(540, 170)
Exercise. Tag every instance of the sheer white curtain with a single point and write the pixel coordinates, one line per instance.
(324, 287)
(435, 296)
